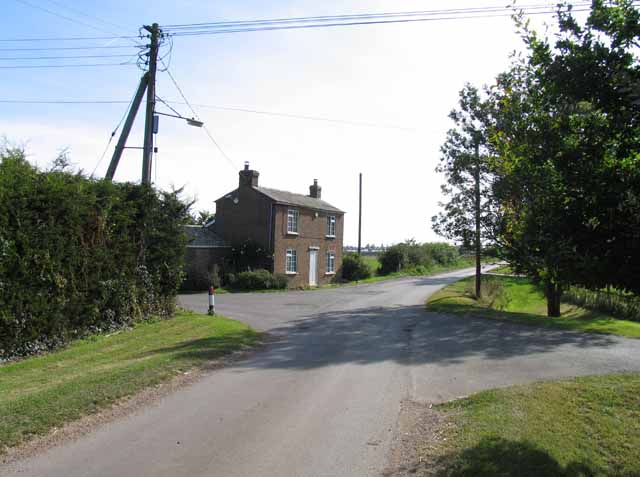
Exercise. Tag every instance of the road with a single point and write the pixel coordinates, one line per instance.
(323, 397)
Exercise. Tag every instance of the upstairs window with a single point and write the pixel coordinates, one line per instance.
(331, 262)
(292, 261)
(292, 221)
(331, 226)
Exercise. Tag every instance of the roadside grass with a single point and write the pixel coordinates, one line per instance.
(373, 262)
(40, 393)
(503, 269)
(523, 302)
(464, 262)
(580, 427)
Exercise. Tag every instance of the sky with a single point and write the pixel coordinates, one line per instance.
(399, 80)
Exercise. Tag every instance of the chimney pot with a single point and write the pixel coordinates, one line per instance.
(315, 190)
(248, 177)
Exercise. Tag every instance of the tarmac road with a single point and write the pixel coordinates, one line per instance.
(323, 397)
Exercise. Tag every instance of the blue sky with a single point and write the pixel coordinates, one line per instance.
(406, 75)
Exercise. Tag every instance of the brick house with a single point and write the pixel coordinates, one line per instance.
(301, 233)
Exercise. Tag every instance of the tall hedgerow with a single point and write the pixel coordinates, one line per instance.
(79, 255)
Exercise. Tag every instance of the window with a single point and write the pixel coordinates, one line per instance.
(331, 262)
(292, 261)
(331, 226)
(292, 221)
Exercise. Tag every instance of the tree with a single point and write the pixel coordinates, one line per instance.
(565, 127)
(202, 217)
(468, 215)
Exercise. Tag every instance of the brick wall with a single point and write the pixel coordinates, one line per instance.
(248, 219)
(199, 264)
(311, 233)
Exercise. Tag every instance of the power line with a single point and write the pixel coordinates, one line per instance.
(211, 28)
(6, 58)
(304, 117)
(86, 15)
(64, 17)
(346, 17)
(71, 38)
(102, 47)
(206, 129)
(80, 65)
(354, 23)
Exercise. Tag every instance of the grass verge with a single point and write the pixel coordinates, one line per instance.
(580, 427)
(40, 393)
(522, 301)
(460, 264)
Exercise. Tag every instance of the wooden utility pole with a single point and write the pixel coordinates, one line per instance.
(477, 213)
(147, 155)
(360, 218)
(126, 129)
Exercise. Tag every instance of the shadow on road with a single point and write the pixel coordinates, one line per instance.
(406, 335)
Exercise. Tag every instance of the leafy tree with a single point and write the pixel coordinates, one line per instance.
(201, 217)
(565, 126)
(468, 216)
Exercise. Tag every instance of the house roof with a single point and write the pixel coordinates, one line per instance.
(290, 198)
(199, 236)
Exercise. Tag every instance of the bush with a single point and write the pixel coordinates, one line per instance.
(80, 256)
(411, 256)
(492, 290)
(392, 260)
(355, 268)
(258, 280)
(615, 303)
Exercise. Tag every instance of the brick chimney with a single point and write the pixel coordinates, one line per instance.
(315, 190)
(248, 177)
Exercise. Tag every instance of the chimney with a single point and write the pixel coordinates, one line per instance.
(248, 177)
(315, 190)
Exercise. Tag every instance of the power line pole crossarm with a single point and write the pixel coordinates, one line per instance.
(147, 156)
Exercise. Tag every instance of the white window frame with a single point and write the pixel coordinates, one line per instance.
(331, 263)
(291, 261)
(331, 225)
(293, 221)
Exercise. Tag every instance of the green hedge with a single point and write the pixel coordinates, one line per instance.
(355, 268)
(80, 256)
(257, 280)
(412, 255)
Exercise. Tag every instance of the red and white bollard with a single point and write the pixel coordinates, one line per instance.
(212, 302)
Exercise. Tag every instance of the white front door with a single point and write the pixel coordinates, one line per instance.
(313, 267)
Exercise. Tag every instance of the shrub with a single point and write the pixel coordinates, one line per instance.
(258, 280)
(391, 260)
(355, 268)
(412, 256)
(80, 256)
(492, 290)
(612, 302)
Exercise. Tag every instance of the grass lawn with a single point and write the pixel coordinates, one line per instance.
(523, 302)
(43, 392)
(580, 427)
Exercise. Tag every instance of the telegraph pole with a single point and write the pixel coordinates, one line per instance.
(477, 217)
(147, 155)
(135, 105)
(360, 218)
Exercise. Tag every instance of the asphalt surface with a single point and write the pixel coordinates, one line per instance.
(323, 397)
